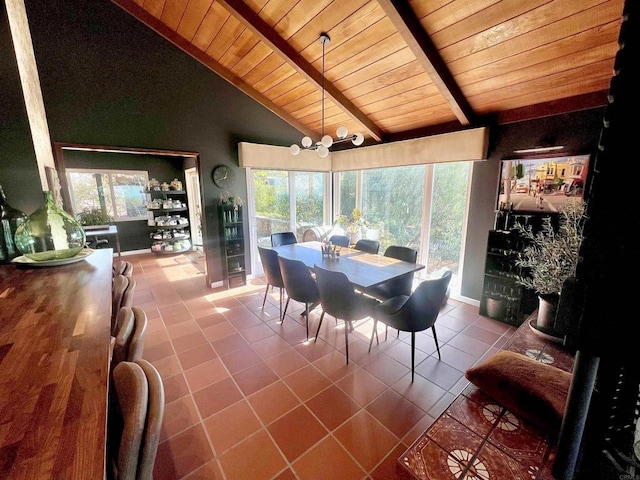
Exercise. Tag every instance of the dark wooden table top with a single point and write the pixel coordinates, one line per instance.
(364, 270)
(54, 366)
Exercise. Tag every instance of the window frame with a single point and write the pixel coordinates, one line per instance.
(109, 173)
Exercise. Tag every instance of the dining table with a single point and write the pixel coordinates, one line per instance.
(55, 320)
(364, 270)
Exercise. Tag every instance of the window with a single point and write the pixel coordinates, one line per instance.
(420, 206)
(119, 194)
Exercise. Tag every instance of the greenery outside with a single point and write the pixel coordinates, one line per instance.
(94, 216)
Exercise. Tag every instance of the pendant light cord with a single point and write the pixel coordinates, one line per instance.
(323, 43)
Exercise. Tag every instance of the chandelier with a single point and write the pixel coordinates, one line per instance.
(322, 147)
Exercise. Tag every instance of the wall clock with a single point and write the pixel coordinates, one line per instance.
(223, 176)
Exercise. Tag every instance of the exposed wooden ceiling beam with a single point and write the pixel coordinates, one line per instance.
(152, 22)
(409, 27)
(259, 27)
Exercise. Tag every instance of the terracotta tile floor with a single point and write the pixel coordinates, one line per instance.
(248, 398)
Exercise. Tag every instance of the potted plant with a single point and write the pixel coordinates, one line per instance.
(94, 217)
(353, 227)
(550, 257)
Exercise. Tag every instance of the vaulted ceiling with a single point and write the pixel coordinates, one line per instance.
(400, 69)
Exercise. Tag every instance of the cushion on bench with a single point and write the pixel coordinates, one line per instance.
(533, 391)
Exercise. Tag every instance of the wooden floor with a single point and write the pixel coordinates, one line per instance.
(247, 397)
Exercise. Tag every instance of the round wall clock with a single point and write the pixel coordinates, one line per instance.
(223, 176)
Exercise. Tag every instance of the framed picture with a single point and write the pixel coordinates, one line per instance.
(54, 185)
(541, 184)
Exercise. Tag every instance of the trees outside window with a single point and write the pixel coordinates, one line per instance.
(117, 194)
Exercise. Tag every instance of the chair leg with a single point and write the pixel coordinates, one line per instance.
(266, 290)
(306, 314)
(346, 342)
(281, 299)
(374, 332)
(435, 337)
(413, 352)
(319, 325)
(286, 305)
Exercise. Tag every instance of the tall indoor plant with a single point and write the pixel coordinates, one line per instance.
(550, 257)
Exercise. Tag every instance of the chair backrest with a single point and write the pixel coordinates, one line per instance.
(123, 267)
(271, 267)
(131, 327)
(337, 295)
(402, 285)
(127, 420)
(283, 238)
(127, 298)
(406, 254)
(298, 281)
(423, 307)
(368, 246)
(153, 425)
(119, 288)
(135, 420)
(341, 240)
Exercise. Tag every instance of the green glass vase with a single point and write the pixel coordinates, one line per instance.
(50, 233)
(10, 219)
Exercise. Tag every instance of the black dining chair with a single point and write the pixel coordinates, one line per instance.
(340, 240)
(272, 274)
(283, 238)
(413, 313)
(339, 299)
(300, 285)
(368, 246)
(398, 286)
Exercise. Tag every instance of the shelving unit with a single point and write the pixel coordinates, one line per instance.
(502, 298)
(169, 224)
(232, 245)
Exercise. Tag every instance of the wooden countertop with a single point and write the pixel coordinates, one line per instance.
(54, 366)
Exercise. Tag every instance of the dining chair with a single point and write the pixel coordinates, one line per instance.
(368, 246)
(123, 267)
(283, 238)
(340, 240)
(413, 313)
(340, 300)
(134, 421)
(300, 286)
(398, 286)
(153, 424)
(272, 273)
(123, 289)
(131, 327)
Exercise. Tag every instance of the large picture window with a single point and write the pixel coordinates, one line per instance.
(117, 193)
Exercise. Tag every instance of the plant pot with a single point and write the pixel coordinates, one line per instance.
(547, 309)
(495, 308)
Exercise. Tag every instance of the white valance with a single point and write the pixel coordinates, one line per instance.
(463, 146)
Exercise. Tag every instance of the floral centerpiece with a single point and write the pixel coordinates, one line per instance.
(353, 226)
(227, 198)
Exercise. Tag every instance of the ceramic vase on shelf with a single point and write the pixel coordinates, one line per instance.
(50, 233)
(10, 219)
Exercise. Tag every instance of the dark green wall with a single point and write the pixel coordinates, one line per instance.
(109, 80)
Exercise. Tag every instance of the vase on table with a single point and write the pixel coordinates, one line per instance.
(50, 233)
(10, 219)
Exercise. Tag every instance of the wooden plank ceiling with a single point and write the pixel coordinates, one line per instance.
(399, 69)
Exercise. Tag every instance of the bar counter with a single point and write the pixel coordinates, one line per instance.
(54, 366)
